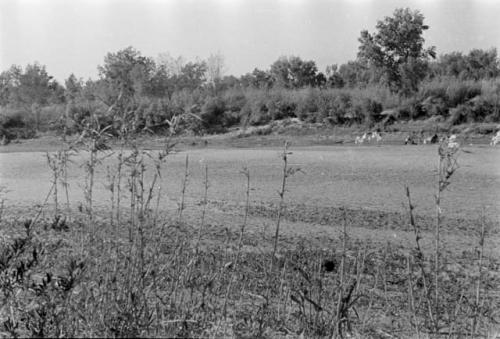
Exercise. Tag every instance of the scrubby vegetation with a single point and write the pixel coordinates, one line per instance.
(394, 78)
(131, 268)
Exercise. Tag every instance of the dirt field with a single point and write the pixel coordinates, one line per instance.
(367, 180)
(361, 187)
(367, 177)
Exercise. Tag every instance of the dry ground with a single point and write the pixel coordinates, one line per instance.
(367, 181)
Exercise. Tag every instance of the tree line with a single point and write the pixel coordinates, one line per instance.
(394, 70)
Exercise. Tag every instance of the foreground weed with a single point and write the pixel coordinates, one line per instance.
(447, 165)
(287, 172)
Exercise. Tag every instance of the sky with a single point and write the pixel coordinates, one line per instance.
(73, 36)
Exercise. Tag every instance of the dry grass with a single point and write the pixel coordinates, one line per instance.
(134, 270)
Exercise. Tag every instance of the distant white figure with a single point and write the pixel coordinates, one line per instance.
(377, 137)
(410, 140)
(495, 140)
(362, 139)
(368, 137)
(452, 142)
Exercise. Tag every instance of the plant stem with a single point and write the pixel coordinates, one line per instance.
(436, 238)
(184, 185)
(281, 202)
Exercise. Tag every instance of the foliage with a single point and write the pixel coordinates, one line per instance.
(212, 112)
(126, 72)
(397, 48)
(293, 72)
(478, 64)
(393, 71)
(257, 79)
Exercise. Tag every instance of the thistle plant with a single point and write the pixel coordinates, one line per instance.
(447, 165)
(58, 164)
(94, 138)
(287, 172)
(183, 188)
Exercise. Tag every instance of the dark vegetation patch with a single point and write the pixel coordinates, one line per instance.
(370, 219)
(56, 282)
(364, 218)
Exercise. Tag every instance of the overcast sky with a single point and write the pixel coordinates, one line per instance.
(73, 36)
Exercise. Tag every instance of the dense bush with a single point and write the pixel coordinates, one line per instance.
(13, 118)
(16, 124)
(255, 111)
(450, 98)
(281, 104)
(149, 93)
(308, 101)
(212, 113)
(234, 100)
(451, 91)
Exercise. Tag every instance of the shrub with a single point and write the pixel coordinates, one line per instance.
(307, 104)
(16, 124)
(52, 117)
(255, 112)
(341, 107)
(184, 99)
(490, 92)
(459, 92)
(212, 114)
(479, 109)
(493, 117)
(10, 119)
(485, 128)
(234, 100)
(281, 104)
(448, 91)
(325, 103)
(435, 88)
(192, 124)
(430, 107)
(371, 110)
(363, 109)
(459, 114)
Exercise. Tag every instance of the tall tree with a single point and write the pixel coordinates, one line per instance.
(483, 64)
(171, 65)
(293, 72)
(9, 81)
(258, 79)
(397, 48)
(34, 86)
(126, 72)
(30, 89)
(73, 86)
(192, 76)
(215, 68)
